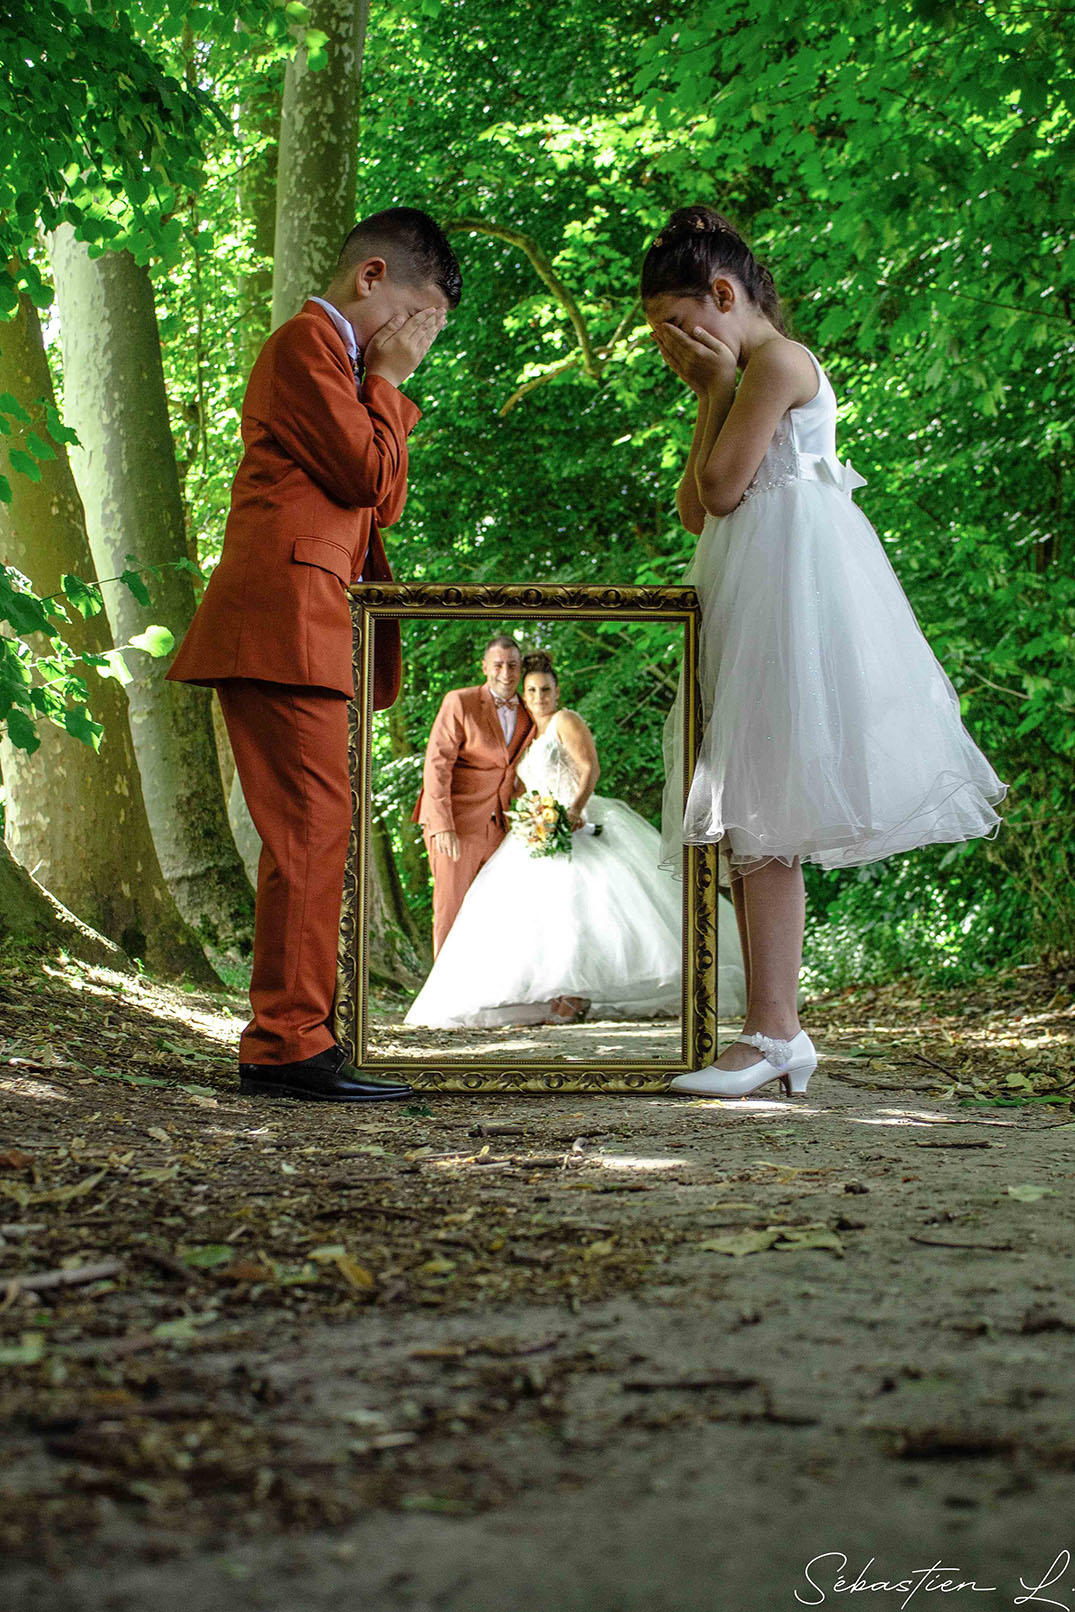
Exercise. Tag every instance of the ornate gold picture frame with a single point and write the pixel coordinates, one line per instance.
(676, 607)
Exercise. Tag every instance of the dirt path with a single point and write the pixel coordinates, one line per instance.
(646, 1040)
(514, 1354)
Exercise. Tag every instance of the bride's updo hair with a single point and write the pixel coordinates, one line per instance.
(539, 661)
(694, 247)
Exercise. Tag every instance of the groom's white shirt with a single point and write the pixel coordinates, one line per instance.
(506, 715)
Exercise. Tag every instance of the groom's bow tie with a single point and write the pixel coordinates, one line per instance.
(498, 702)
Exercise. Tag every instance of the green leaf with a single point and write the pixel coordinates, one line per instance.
(39, 447)
(183, 1329)
(739, 1243)
(316, 52)
(156, 641)
(11, 405)
(205, 1256)
(86, 597)
(184, 564)
(131, 1080)
(134, 583)
(56, 428)
(22, 462)
(81, 726)
(22, 731)
(27, 1352)
(114, 667)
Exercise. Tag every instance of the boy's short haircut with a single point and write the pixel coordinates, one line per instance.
(412, 244)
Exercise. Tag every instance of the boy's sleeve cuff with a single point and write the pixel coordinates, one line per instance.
(388, 399)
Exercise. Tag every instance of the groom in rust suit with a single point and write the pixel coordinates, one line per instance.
(324, 469)
(469, 779)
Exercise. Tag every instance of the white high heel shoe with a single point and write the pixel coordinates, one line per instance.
(791, 1062)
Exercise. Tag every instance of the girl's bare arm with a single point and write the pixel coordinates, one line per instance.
(779, 376)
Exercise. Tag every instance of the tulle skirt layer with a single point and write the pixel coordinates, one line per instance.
(606, 923)
(831, 732)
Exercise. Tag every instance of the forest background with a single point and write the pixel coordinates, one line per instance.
(176, 178)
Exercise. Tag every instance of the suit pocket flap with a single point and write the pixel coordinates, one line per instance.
(320, 551)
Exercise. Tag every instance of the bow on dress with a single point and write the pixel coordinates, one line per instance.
(842, 474)
(827, 468)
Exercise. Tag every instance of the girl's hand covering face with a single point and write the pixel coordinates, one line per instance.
(698, 358)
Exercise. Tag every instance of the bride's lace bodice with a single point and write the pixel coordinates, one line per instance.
(547, 766)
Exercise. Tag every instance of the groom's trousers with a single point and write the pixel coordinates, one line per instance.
(452, 880)
(290, 748)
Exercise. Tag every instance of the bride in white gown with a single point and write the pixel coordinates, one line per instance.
(601, 928)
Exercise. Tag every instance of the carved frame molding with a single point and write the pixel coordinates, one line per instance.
(372, 602)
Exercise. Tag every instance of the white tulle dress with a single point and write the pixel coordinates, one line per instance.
(605, 923)
(831, 730)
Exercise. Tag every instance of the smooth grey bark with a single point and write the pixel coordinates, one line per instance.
(246, 836)
(259, 130)
(126, 472)
(318, 162)
(75, 819)
(315, 210)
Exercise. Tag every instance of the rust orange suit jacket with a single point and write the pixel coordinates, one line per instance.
(469, 772)
(323, 470)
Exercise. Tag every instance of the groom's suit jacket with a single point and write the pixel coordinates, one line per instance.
(469, 774)
(323, 471)
(467, 785)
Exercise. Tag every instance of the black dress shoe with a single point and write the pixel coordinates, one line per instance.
(327, 1077)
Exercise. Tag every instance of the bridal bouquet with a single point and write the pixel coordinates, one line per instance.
(541, 822)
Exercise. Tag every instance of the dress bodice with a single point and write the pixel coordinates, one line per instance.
(548, 767)
(803, 446)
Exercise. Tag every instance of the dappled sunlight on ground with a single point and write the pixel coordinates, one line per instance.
(37, 1089)
(221, 1315)
(643, 1041)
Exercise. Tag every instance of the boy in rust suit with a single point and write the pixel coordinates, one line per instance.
(324, 470)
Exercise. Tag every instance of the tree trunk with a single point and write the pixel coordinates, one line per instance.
(394, 960)
(245, 834)
(126, 471)
(318, 167)
(78, 820)
(395, 900)
(31, 917)
(259, 128)
(315, 210)
(413, 857)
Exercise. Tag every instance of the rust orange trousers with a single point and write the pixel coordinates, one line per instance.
(290, 748)
(452, 880)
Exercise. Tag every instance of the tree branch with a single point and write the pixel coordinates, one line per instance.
(545, 272)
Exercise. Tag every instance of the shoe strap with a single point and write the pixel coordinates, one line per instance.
(773, 1050)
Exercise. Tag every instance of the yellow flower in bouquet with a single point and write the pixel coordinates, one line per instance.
(541, 822)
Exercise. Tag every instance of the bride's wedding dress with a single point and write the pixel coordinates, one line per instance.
(605, 923)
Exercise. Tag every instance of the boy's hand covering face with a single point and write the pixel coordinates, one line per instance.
(398, 348)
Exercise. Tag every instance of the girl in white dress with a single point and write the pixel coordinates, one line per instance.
(600, 931)
(831, 733)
